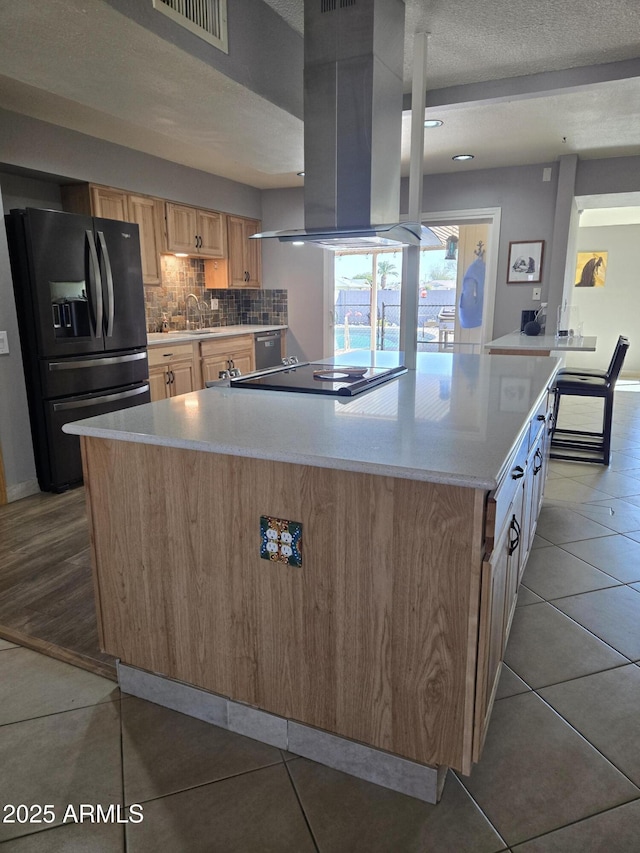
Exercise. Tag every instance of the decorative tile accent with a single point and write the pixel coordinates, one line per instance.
(281, 540)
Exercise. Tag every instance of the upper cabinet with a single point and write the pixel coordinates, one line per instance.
(109, 203)
(194, 232)
(245, 267)
(147, 212)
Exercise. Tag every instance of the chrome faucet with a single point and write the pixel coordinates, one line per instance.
(196, 301)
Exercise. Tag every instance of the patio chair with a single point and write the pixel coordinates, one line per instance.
(581, 445)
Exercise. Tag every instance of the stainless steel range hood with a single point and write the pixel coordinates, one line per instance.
(353, 61)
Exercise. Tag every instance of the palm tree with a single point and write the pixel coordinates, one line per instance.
(386, 268)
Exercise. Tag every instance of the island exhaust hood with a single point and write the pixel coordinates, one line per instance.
(353, 63)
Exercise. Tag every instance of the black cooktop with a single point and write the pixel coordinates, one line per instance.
(310, 378)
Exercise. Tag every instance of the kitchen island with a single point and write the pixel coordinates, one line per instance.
(372, 638)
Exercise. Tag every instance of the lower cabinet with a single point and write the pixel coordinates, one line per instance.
(172, 371)
(225, 354)
(512, 514)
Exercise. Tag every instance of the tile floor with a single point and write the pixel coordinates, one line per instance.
(560, 771)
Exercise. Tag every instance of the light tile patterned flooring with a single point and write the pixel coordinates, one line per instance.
(560, 771)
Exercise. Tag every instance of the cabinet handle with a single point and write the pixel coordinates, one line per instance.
(537, 467)
(168, 382)
(542, 417)
(517, 472)
(173, 376)
(515, 528)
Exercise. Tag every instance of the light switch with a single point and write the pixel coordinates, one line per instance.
(4, 344)
(214, 304)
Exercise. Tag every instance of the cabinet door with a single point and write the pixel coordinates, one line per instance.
(516, 548)
(211, 232)
(236, 241)
(148, 213)
(243, 360)
(182, 228)
(211, 367)
(182, 377)
(109, 204)
(253, 250)
(159, 383)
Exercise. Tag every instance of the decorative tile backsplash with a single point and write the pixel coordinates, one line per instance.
(181, 276)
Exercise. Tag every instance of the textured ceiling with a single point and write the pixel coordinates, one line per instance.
(85, 65)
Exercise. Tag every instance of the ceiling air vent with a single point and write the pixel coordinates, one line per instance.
(206, 18)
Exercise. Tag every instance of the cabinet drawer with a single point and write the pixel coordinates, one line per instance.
(538, 421)
(161, 354)
(501, 499)
(223, 346)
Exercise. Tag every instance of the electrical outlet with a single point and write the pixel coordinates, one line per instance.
(537, 293)
(214, 304)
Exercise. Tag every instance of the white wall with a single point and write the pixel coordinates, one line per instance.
(614, 309)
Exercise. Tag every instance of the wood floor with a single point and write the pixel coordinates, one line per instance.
(46, 589)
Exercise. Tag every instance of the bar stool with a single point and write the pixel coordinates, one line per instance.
(593, 371)
(580, 445)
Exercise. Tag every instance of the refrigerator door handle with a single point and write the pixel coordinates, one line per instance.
(95, 284)
(106, 398)
(109, 277)
(95, 362)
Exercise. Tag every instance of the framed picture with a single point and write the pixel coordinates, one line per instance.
(591, 269)
(525, 262)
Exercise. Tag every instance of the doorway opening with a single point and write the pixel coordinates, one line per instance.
(455, 296)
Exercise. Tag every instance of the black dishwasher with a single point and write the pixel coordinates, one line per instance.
(268, 349)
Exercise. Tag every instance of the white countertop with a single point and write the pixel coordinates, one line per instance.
(161, 338)
(454, 420)
(545, 343)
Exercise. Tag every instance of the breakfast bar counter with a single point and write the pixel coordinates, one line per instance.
(335, 576)
(517, 343)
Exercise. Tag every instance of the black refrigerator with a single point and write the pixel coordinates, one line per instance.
(80, 304)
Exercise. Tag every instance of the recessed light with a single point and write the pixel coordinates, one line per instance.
(181, 255)
(297, 242)
(433, 122)
(300, 174)
(463, 157)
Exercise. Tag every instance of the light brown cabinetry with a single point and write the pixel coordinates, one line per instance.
(146, 211)
(148, 214)
(245, 267)
(225, 354)
(512, 514)
(172, 371)
(198, 233)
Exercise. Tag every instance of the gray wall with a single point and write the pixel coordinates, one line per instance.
(527, 204)
(33, 144)
(297, 269)
(15, 432)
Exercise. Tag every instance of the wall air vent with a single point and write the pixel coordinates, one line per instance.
(206, 18)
